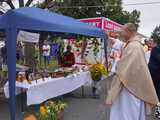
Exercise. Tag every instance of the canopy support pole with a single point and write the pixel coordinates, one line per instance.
(105, 49)
(11, 34)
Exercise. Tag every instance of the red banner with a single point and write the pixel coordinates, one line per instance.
(110, 25)
(97, 22)
(103, 23)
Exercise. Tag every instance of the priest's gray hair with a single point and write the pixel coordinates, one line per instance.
(130, 27)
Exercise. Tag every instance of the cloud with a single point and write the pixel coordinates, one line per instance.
(150, 17)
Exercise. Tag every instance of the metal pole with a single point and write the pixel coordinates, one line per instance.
(11, 62)
(105, 49)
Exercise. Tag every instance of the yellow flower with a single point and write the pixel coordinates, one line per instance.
(43, 111)
(98, 68)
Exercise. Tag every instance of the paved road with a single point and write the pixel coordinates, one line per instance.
(86, 108)
(89, 108)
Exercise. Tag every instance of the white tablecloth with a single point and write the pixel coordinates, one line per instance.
(51, 87)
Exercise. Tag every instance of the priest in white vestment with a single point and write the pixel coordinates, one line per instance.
(132, 93)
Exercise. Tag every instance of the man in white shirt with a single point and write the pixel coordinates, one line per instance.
(46, 53)
(115, 53)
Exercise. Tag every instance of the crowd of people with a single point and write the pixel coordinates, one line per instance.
(117, 47)
(135, 88)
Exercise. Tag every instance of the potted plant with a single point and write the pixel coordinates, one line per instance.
(28, 116)
(60, 106)
(51, 110)
(97, 71)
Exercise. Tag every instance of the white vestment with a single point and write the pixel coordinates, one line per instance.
(127, 107)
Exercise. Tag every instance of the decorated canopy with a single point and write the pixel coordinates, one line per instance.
(36, 20)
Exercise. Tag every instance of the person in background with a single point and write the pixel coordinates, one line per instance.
(143, 42)
(148, 52)
(132, 93)
(4, 54)
(115, 52)
(46, 53)
(19, 54)
(36, 57)
(154, 67)
(68, 58)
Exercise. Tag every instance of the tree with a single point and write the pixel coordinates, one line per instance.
(22, 3)
(156, 34)
(111, 9)
(132, 17)
(29, 48)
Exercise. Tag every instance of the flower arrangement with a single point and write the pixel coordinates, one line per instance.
(97, 71)
(28, 116)
(51, 110)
